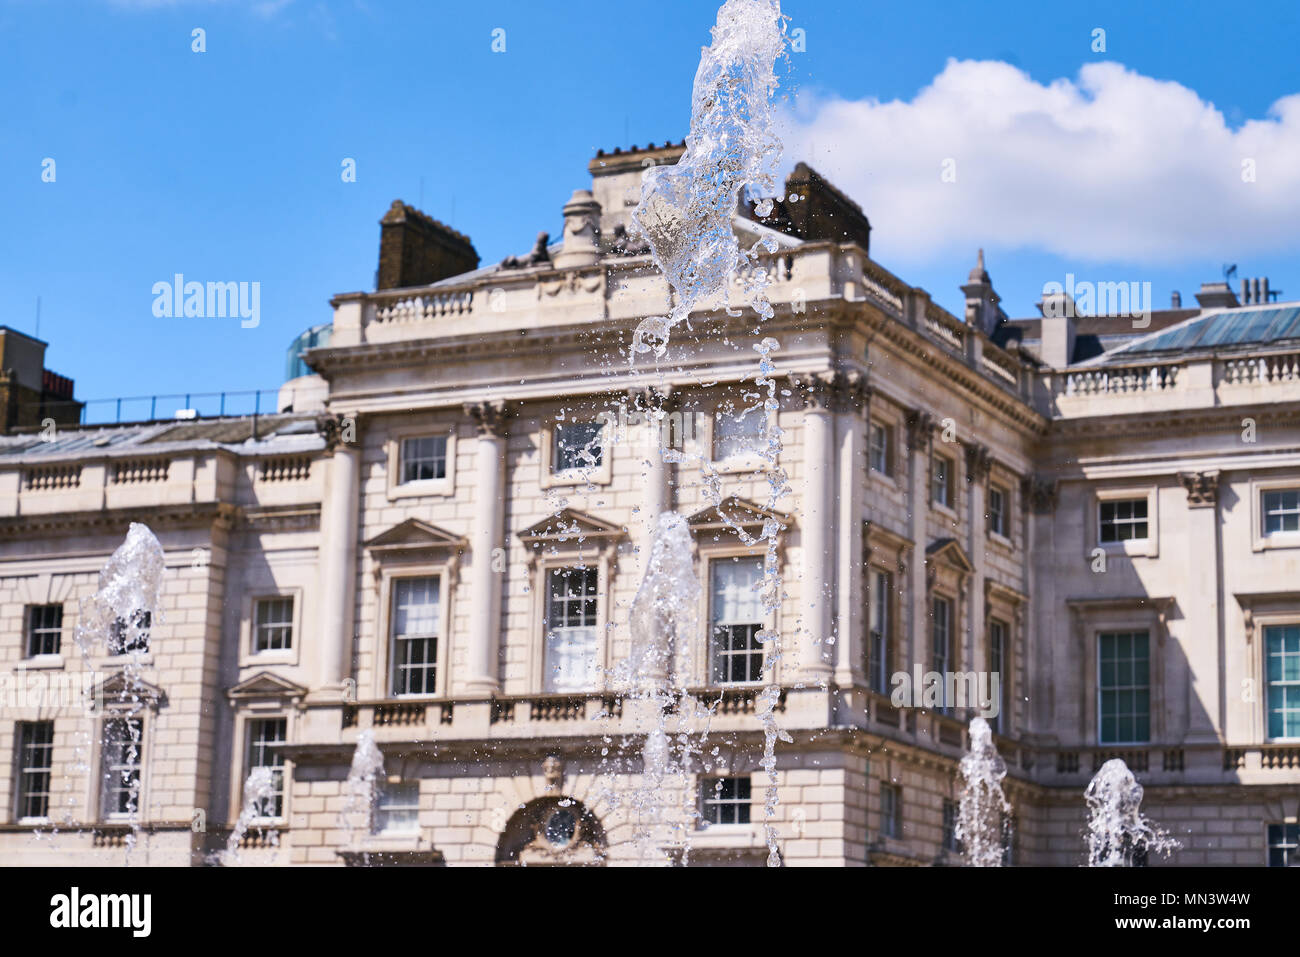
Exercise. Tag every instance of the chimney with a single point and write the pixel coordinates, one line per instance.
(415, 249)
(1216, 295)
(814, 209)
(29, 392)
(1254, 292)
(1175, 300)
(982, 310)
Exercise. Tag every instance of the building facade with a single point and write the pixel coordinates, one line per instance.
(438, 537)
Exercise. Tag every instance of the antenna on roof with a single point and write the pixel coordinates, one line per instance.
(38, 317)
(1229, 271)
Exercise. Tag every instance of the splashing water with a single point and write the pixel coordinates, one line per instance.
(1118, 833)
(663, 621)
(983, 808)
(686, 215)
(118, 619)
(259, 792)
(686, 209)
(362, 786)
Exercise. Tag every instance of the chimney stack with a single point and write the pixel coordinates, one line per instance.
(1176, 300)
(1254, 292)
(416, 250)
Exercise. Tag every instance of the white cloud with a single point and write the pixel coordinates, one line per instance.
(1112, 165)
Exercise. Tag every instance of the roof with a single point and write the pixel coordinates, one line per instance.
(1216, 330)
(275, 433)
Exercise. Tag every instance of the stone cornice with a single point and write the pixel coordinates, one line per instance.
(117, 520)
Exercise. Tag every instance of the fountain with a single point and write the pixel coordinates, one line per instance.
(663, 622)
(686, 214)
(1118, 833)
(118, 619)
(362, 787)
(259, 791)
(983, 808)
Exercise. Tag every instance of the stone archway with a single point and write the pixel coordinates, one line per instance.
(552, 832)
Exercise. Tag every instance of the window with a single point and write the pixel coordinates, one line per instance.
(416, 615)
(1122, 520)
(398, 809)
(272, 625)
(725, 800)
(1009, 843)
(1123, 683)
(44, 629)
(941, 641)
(263, 735)
(120, 767)
(572, 632)
(891, 810)
(880, 448)
(941, 481)
(879, 638)
(1281, 511)
(35, 754)
(997, 665)
(578, 446)
(736, 616)
(130, 638)
(950, 842)
(998, 511)
(1283, 845)
(423, 459)
(740, 434)
(1282, 674)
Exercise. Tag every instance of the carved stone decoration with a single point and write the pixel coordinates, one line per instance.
(850, 392)
(489, 417)
(553, 772)
(818, 389)
(919, 426)
(628, 245)
(1039, 494)
(537, 257)
(581, 231)
(979, 460)
(1202, 488)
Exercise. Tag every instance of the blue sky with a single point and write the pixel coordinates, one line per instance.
(225, 165)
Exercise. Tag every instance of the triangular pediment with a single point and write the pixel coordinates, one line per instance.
(949, 550)
(266, 685)
(117, 689)
(734, 510)
(414, 535)
(570, 525)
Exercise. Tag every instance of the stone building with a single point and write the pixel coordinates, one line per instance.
(441, 543)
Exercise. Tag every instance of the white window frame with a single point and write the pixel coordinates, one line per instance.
(1150, 685)
(249, 722)
(396, 488)
(250, 655)
(706, 598)
(1004, 535)
(1268, 845)
(890, 429)
(1263, 624)
(891, 824)
(380, 809)
(47, 657)
(600, 474)
(707, 791)
(591, 564)
(100, 781)
(875, 603)
(1148, 547)
(752, 461)
(1259, 541)
(950, 484)
(388, 576)
(20, 772)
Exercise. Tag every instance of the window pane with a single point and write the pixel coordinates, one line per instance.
(572, 636)
(1124, 694)
(263, 735)
(273, 625)
(725, 800)
(416, 618)
(424, 458)
(736, 616)
(738, 434)
(578, 446)
(44, 629)
(35, 758)
(120, 767)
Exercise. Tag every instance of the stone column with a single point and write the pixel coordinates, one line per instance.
(482, 663)
(656, 493)
(851, 402)
(1202, 641)
(818, 545)
(920, 425)
(336, 592)
(1045, 626)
